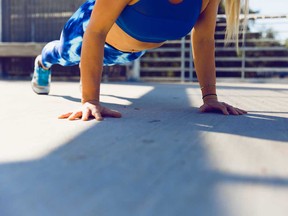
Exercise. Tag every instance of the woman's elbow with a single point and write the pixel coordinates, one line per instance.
(203, 37)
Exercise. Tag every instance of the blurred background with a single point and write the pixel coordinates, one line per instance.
(263, 52)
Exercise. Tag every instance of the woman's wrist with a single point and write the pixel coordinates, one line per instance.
(208, 89)
(95, 101)
(207, 86)
(90, 92)
(208, 92)
(91, 98)
(209, 97)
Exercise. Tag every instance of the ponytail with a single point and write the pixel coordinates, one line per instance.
(232, 11)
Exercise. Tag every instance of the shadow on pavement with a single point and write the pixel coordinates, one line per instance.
(154, 161)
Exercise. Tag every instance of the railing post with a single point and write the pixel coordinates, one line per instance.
(243, 62)
(183, 59)
(191, 66)
(1, 33)
(133, 73)
(1, 67)
(1, 17)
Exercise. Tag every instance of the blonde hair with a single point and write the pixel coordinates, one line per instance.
(232, 11)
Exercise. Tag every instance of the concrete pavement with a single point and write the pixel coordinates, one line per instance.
(162, 158)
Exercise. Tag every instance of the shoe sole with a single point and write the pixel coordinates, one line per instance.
(40, 90)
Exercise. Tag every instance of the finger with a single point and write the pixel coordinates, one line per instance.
(243, 111)
(236, 111)
(240, 111)
(96, 113)
(64, 116)
(75, 115)
(224, 110)
(111, 113)
(86, 114)
(232, 110)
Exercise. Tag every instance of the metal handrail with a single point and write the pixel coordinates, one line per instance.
(183, 60)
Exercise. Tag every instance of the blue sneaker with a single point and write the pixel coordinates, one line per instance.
(41, 78)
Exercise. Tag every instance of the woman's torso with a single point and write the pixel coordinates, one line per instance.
(123, 41)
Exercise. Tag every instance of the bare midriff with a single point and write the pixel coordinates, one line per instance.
(124, 42)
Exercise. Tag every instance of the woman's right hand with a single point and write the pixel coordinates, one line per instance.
(91, 109)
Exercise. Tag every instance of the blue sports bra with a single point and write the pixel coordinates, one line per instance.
(159, 20)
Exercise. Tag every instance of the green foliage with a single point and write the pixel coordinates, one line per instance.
(286, 43)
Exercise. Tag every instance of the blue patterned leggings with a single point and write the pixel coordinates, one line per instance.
(67, 50)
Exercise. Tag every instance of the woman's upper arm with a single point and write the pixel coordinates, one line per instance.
(104, 15)
(206, 23)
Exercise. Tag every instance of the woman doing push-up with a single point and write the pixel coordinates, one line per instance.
(109, 32)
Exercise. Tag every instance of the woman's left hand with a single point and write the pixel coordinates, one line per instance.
(215, 105)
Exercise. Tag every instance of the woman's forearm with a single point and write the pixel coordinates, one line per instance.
(204, 58)
(91, 65)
